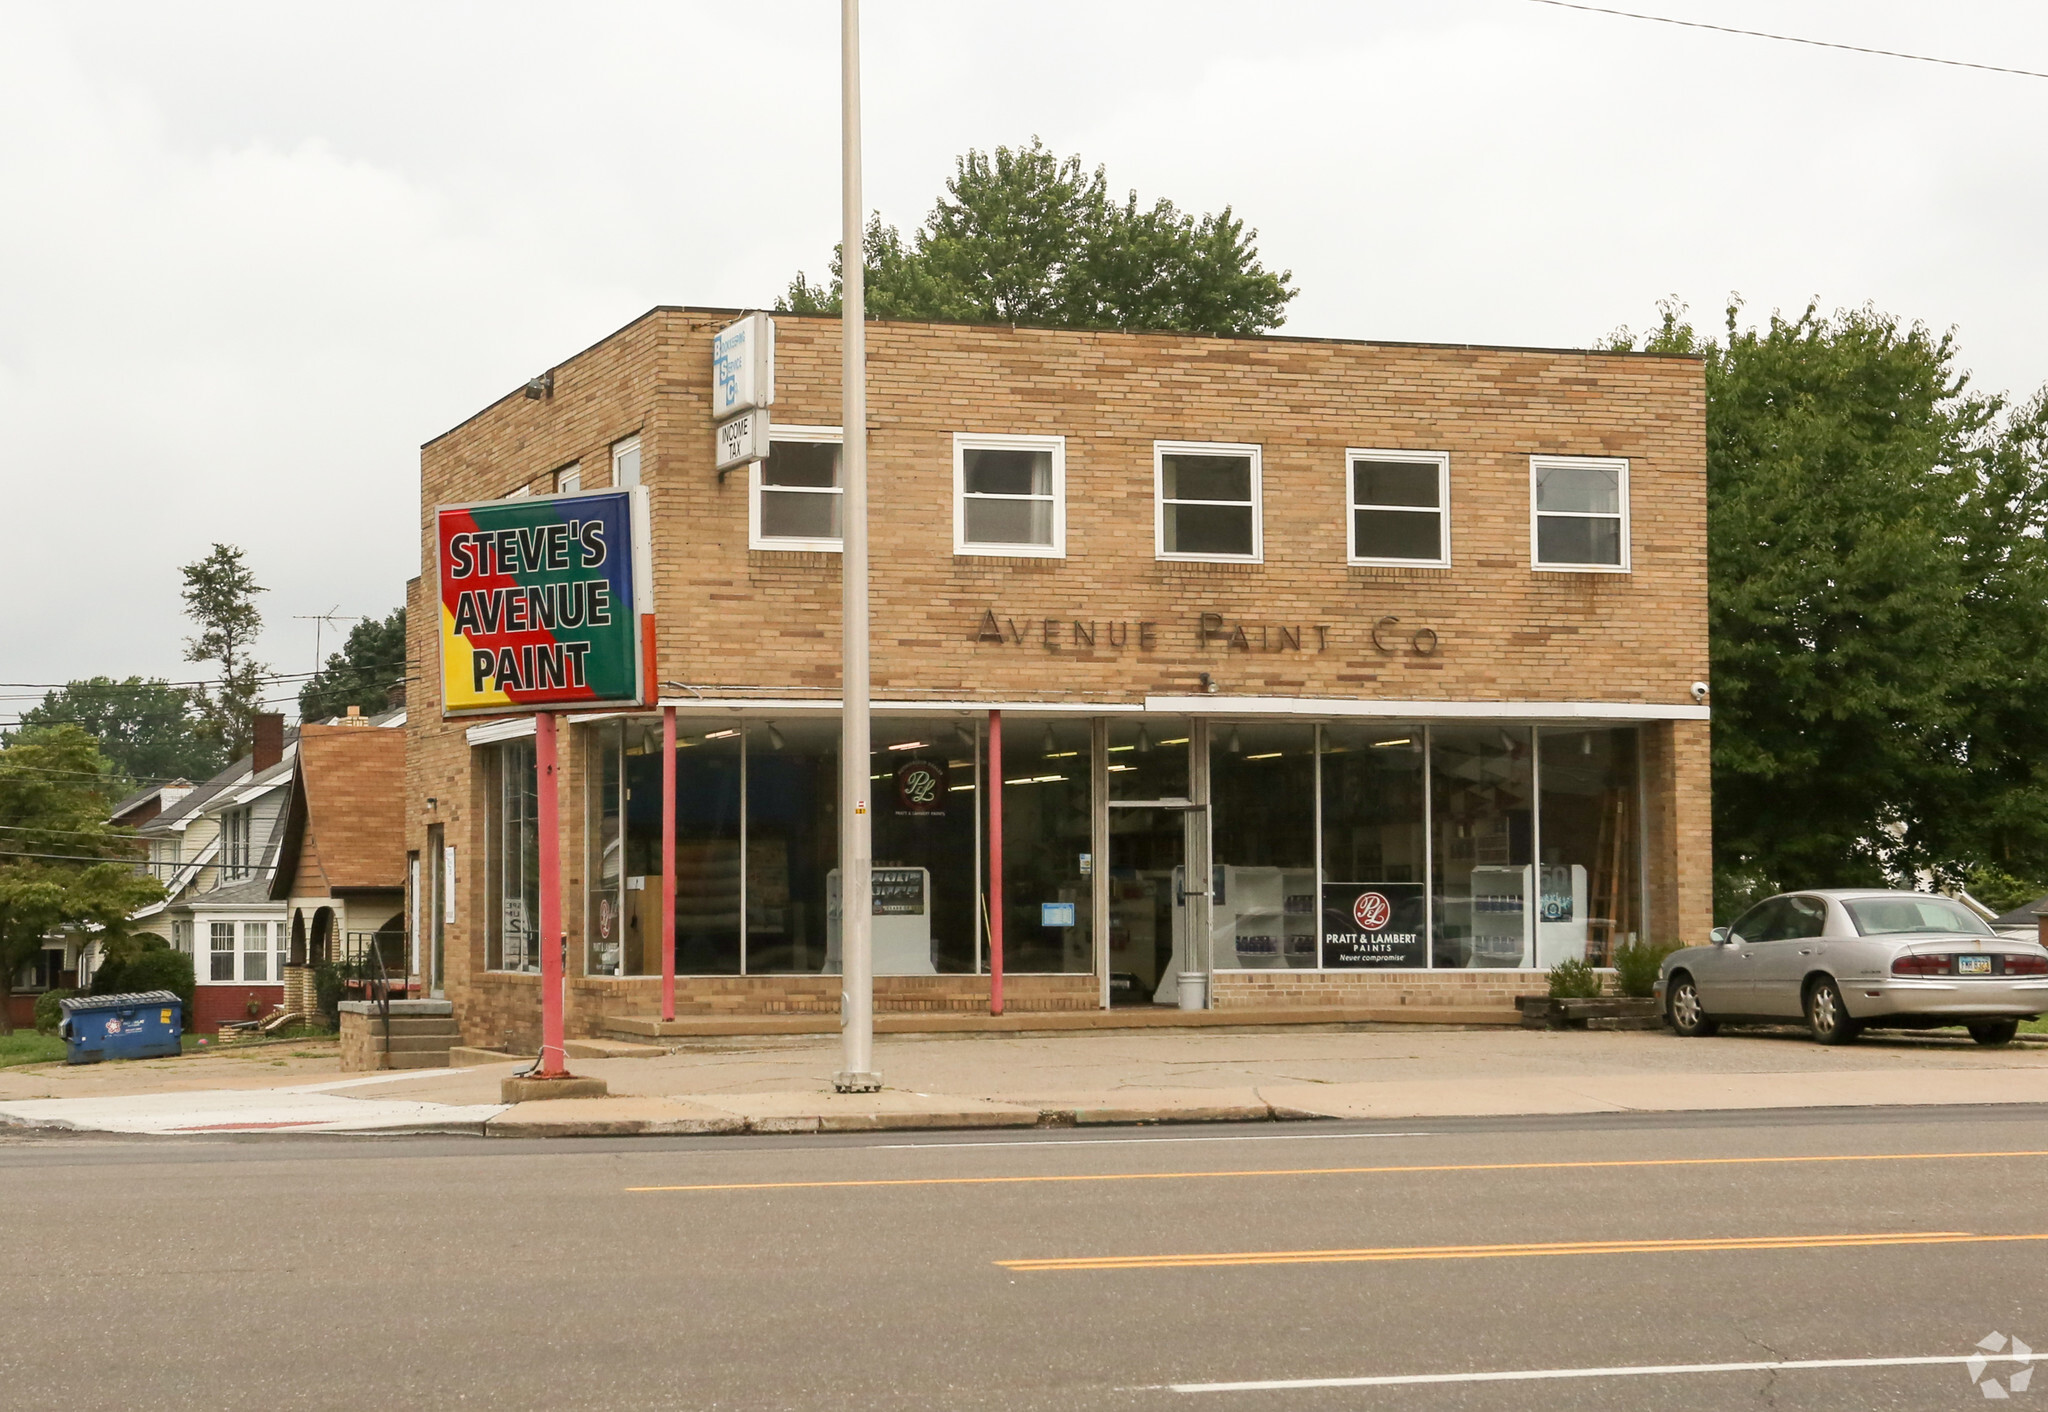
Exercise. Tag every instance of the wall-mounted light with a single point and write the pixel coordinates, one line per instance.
(541, 387)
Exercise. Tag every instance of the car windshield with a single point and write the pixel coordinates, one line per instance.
(1888, 916)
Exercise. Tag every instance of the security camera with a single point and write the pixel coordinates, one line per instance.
(1699, 692)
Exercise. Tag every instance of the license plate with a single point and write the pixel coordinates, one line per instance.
(1973, 965)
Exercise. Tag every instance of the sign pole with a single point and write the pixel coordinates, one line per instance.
(553, 942)
(668, 862)
(856, 833)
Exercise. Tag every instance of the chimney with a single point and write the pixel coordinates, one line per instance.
(269, 744)
(394, 696)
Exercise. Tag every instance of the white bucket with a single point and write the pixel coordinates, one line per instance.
(1194, 990)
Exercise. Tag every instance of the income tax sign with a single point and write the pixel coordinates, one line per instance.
(542, 602)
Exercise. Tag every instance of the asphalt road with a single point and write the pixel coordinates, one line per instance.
(1114, 1268)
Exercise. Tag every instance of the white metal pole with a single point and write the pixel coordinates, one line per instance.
(856, 832)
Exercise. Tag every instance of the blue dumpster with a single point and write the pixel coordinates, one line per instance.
(140, 1025)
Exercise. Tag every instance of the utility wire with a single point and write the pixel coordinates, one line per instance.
(1789, 38)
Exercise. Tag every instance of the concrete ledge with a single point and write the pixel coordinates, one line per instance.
(407, 1008)
(612, 1049)
(463, 1056)
(530, 1090)
(612, 1117)
(1063, 1021)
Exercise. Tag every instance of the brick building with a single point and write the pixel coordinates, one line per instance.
(1394, 643)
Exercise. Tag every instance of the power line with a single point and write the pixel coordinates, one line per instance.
(1790, 38)
(139, 862)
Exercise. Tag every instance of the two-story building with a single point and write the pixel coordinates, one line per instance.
(1401, 647)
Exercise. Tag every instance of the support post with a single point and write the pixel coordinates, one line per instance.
(856, 832)
(995, 862)
(668, 862)
(553, 942)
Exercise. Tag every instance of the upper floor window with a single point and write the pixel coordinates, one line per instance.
(1578, 512)
(1399, 507)
(1009, 495)
(626, 463)
(235, 827)
(1207, 500)
(569, 479)
(793, 497)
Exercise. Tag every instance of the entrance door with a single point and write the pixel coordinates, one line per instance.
(1158, 922)
(437, 910)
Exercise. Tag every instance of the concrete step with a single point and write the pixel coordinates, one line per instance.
(420, 1059)
(417, 1024)
(642, 1027)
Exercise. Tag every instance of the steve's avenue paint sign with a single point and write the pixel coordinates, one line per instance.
(542, 601)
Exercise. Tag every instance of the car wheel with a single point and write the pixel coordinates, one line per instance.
(1994, 1032)
(1827, 1016)
(1687, 1015)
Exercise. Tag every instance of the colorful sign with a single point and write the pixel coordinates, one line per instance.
(743, 366)
(542, 601)
(1368, 925)
(921, 787)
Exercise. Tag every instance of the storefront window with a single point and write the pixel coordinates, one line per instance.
(925, 913)
(708, 880)
(1047, 894)
(1590, 892)
(512, 884)
(1262, 792)
(1481, 796)
(1148, 757)
(792, 844)
(603, 933)
(1374, 909)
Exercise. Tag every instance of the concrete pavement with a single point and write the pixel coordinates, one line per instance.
(774, 1085)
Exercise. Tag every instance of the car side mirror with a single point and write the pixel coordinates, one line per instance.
(1719, 936)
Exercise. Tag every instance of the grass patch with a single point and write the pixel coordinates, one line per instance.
(28, 1047)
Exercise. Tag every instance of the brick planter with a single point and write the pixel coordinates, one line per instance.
(1606, 1012)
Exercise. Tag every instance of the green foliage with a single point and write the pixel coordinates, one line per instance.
(49, 1013)
(1876, 576)
(1573, 979)
(148, 730)
(1026, 237)
(329, 985)
(1636, 965)
(2000, 890)
(220, 596)
(62, 866)
(362, 674)
(154, 967)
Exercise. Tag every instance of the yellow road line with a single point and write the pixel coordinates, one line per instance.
(1341, 1171)
(1495, 1252)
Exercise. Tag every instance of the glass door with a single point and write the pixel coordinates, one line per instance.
(1158, 923)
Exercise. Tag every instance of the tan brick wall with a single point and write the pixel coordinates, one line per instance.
(730, 616)
(1303, 990)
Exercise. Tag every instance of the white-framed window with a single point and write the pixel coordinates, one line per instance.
(794, 497)
(256, 952)
(221, 951)
(569, 479)
(626, 462)
(181, 935)
(1578, 513)
(1206, 501)
(235, 828)
(1010, 495)
(1399, 507)
(519, 492)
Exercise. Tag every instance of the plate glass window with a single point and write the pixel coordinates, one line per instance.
(796, 492)
(1398, 505)
(625, 463)
(1208, 500)
(1580, 512)
(1010, 495)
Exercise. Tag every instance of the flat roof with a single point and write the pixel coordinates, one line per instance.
(1060, 328)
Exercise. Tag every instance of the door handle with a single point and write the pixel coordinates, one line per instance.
(1806, 950)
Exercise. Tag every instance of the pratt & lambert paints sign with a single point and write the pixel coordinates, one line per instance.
(543, 602)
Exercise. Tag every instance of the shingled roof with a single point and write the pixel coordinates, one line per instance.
(344, 828)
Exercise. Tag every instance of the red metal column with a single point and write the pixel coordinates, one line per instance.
(553, 1058)
(995, 862)
(668, 862)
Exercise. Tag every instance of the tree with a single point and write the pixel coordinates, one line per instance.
(148, 730)
(1876, 588)
(62, 866)
(1025, 237)
(362, 674)
(220, 596)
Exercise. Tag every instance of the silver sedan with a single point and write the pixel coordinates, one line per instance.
(1845, 960)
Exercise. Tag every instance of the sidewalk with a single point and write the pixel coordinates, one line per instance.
(784, 1084)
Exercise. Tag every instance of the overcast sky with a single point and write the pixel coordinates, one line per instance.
(254, 255)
